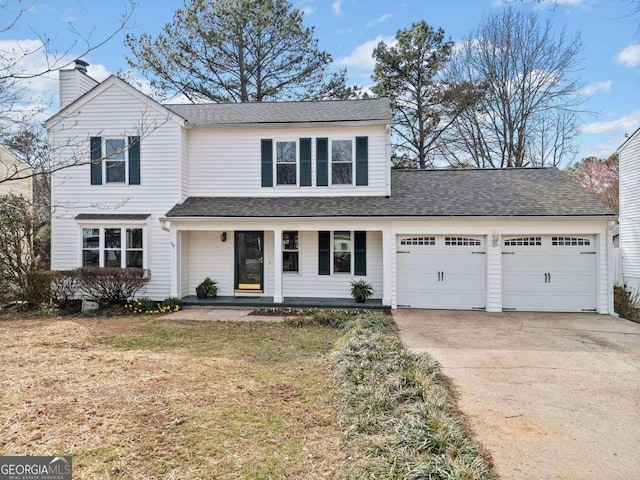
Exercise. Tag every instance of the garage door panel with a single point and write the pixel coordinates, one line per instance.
(552, 273)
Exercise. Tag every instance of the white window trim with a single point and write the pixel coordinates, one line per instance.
(351, 251)
(353, 161)
(122, 225)
(275, 162)
(288, 272)
(106, 159)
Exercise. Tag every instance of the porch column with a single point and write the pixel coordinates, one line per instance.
(174, 267)
(387, 255)
(277, 265)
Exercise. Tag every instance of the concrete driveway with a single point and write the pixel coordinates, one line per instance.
(551, 396)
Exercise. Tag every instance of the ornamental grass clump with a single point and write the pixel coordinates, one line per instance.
(400, 420)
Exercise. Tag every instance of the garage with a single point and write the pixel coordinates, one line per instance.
(554, 273)
(441, 272)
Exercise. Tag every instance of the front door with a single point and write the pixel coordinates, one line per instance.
(249, 261)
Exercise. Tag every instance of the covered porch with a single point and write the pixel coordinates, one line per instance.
(293, 302)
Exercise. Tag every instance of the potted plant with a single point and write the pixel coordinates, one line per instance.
(361, 290)
(208, 288)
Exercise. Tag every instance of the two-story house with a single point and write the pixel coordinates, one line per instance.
(297, 199)
(629, 233)
(15, 175)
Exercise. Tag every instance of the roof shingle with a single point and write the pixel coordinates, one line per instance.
(526, 192)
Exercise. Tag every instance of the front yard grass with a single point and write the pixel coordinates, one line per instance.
(144, 398)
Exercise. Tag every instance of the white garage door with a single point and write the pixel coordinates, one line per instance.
(447, 272)
(549, 273)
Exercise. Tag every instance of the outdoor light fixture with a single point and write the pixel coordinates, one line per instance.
(223, 237)
(496, 239)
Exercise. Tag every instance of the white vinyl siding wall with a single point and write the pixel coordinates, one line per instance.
(116, 113)
(630, 211)
(226, 162)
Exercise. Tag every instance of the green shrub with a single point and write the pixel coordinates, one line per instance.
(210, 287)
(626, 303)
(147, 306)
(112, 286)
(173, 303)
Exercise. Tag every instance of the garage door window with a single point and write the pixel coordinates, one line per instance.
(418, 241)
(570, 241)
(462, 241)
(523, 242)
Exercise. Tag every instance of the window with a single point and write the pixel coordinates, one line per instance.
(341, 162)
(90, 247)
(462, 241)
(418, 241)
(290, 253)
(286, 165)
(115, 160)
(112, 247)
(342, 252)
(523, 242)
(570, 241)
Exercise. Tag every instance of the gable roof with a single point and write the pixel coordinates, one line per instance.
(627, 140)
(514, 192)
(102, 86)
(363, 110)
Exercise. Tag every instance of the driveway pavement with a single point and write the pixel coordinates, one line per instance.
(551, 396)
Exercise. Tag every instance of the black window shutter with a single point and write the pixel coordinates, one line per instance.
(134, 160)
(266, 146)
(305, 162)
(324, 253)
(362, 160)
(96, 162)
(322, 162)
(360, 252)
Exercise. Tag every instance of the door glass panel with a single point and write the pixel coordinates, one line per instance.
(249, 260)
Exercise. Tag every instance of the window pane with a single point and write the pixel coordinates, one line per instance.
(90, 237)
(290, 240)
(286, 152)
(341, 151)
(134, 258)
(342, 241)
(112, 258)
(342, 252)
(91, 258)
(341, 173)
(286, 174)
(134, 238)
(290, 261)
(342, 262)
(115, 148)
(115, 172)
(112, 238)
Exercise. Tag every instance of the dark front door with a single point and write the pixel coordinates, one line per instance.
(249, 261)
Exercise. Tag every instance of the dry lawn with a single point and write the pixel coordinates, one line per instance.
(147, 398)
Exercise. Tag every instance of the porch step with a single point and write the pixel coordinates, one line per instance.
(297, 302)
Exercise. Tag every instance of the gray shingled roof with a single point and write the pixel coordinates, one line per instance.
(429, 193)
(375, 109)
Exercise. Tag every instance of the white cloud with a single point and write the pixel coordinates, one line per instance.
(596, 87)
(629, 56)
(361, 56)
(627, 124)
(381, 19)
(337, 7)
(308, 10)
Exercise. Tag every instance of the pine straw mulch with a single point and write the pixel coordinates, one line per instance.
(146, 398)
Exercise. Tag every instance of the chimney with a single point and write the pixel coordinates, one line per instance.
(74, 83)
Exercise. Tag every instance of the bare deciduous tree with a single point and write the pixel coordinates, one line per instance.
(528, 114)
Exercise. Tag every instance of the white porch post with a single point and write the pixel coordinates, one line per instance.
(277, 265)
(387, 256)
(174, 268)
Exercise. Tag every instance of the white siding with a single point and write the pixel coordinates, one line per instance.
(10, 167)
(494, 275)
(630, 210)
(116, 112)
(226, 162)
(208, 256)
(72, 85)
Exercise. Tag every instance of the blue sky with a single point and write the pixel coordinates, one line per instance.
(349, 29)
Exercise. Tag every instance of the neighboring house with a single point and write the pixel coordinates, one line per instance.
(629, 154)
(297, 199)
(15, 175)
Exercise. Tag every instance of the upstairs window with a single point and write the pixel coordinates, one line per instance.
(114, 160)
(341, 162)
(286, 163)
(115, 163)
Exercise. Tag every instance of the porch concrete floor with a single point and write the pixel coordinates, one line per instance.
(300, 302)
